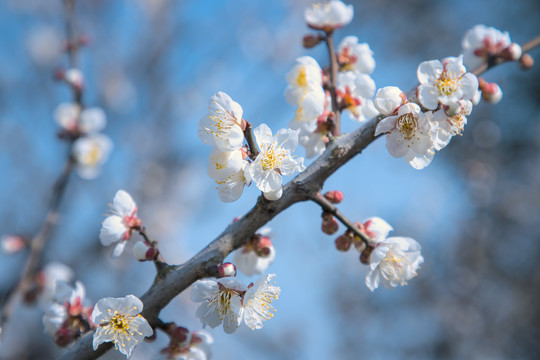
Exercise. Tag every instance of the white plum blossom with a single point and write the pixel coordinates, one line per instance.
(221, 302)
(444, 83)
(394, 261)
(57, 312)
(311, 136)
(409, 135)
(231, 187)
(354, 56)
(222, 126)
(224, 163)
(71, 118)
(188, 346)
(258, 300)
(274, 159)
(91, 152)
(256, 255)
(119, 321)
(305, 89)
(52, 273)
(118, 226)
(388, 99)
(356, 91)
(228, 301)
(450, 122)
(329, 15)
(250, 263)
(481, 42)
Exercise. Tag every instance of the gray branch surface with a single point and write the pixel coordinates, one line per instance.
(173, 280)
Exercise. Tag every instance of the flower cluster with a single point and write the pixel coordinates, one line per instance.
(227, 301)
(118, 227)
(91, 149)
(233, 165)
(445, 91)
(68, 316)
(392, 260)
(309, 85)
(118, 320)
(256, 254)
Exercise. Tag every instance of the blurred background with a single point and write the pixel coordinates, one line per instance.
(152, 66)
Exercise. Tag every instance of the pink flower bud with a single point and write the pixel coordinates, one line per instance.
(329, 224)
(227, 270)
(142, 252)
(13, 243)
(343, 243)
(526, 61)
(263, 246)
(335, 197)
(491, 92)
(310, 40)
(512, 52)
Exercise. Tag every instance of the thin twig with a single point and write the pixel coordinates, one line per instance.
(332, 87)
(158, 261)
(327, 206)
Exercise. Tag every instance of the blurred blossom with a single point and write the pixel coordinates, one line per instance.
(45, 45)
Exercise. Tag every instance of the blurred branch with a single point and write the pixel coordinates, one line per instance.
(38, 242)
(305, 186)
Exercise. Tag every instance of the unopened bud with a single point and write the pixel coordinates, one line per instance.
(491, 92)
(142, 251)
(263, 246)
(366, 254)
(343, 243)
(311, 40)
(180, 335)
(74, 77)
(512, 52)
(329, 224)
(335, 196)
(13, 243)
(526, 61)
(227, 270)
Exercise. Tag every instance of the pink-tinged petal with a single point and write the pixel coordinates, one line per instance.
(429, 71)
(378, 228)
(428, 96)
(396, 144)
(386, 125)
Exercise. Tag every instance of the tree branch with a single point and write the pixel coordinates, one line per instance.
(305, 186)
(332, 86)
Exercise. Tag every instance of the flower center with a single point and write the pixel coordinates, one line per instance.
(271, 159)
(458, 123)
(392, 265)
(93, 155)
(120, 323)
(222, 302)
(447, 84)
(302, 77)
(407, 125)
